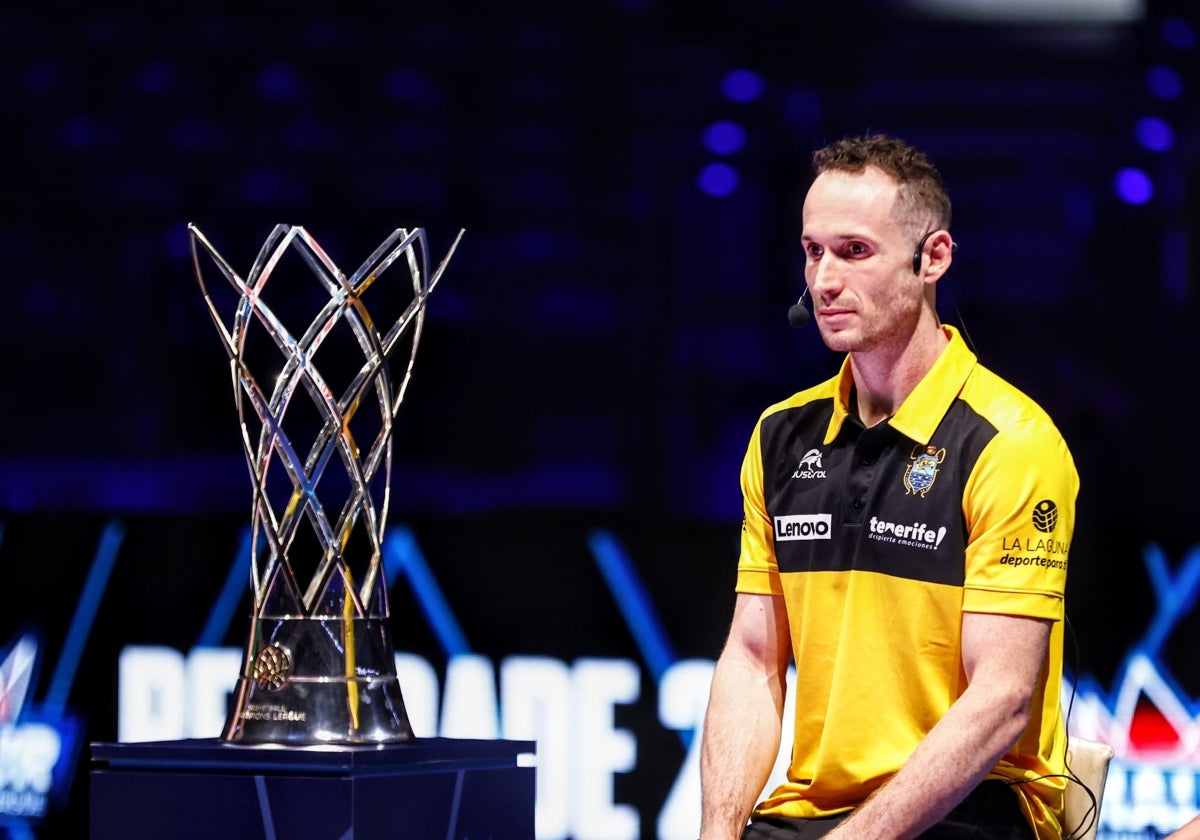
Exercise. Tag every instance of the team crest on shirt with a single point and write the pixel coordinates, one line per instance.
(922, 472)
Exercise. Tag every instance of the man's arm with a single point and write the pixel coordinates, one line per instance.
(1002, 657)
(1189, 831)
(744, 717)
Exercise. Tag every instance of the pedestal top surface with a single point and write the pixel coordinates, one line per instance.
(416, 755)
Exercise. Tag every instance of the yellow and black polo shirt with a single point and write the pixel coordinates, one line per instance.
(879, 539)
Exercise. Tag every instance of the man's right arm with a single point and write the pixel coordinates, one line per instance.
(744, 717)
(1188, 831)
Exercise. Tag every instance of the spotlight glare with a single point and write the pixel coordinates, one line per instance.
(742, 85)
(1133, 186)
(724, 137)
(718, 179)
(1154, 134)
(1164, 82)
(1178, 33)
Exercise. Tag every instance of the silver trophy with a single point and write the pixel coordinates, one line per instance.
(319, 666)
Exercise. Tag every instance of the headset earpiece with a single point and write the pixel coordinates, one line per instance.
(920, 252)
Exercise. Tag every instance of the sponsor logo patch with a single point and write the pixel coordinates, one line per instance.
(1045, 516)
(1042, 552)
(810, 465)
(814, 526)
(918, 534)
(1039, 561)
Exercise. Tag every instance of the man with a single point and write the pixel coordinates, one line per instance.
(905, 544)
(1188, 831)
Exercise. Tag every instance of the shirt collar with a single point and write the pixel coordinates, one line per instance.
(921, 412)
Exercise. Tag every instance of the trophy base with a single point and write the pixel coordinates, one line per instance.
(286, 696)
(319, 712)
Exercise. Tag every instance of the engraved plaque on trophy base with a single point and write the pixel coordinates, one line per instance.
(294, 696)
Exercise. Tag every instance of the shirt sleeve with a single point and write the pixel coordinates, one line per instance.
(758, 572)
(1019, 506)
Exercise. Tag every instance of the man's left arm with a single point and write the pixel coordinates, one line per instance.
(1002, 657)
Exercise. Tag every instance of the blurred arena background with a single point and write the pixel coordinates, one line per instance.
(628, 173)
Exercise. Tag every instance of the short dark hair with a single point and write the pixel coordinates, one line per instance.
(921, 198)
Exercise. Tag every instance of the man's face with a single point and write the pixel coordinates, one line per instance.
(859, 262)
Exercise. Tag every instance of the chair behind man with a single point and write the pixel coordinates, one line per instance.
(1087, 760)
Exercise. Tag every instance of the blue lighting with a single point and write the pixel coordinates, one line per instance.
(158, 77)
(85, 616)
(636, 606)
(278, 82)
(261, 185)
(718, 179)
(80, 132)
(1164, 82)
(1133, 186)
(742, 85)
(102, 31)
(17, 831)
(195, 134)
(633, 601)
(305, 134)
(402, 557)
(1154, 134)
(405, 84)
(1176, 594)
(223, 609)
(1178, 33)
(803, 108)
(537, 244)
(39, 77)
(41, 299)
(724, 137)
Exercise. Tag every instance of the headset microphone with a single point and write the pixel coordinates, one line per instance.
(798, 313)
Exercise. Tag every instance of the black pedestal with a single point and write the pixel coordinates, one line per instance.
(443, 788)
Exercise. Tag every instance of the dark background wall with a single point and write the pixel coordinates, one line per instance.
(628, 175)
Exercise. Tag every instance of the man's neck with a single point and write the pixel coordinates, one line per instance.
(884, 377)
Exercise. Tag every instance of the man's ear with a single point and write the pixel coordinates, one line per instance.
(932, 259)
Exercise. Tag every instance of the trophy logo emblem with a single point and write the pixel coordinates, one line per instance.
(319, 666)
